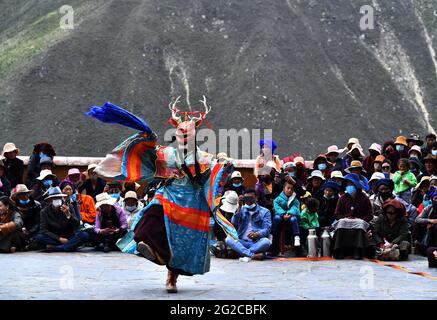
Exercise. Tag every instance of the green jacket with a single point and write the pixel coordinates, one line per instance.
(398, 179)
(282, 206)
(309, 220)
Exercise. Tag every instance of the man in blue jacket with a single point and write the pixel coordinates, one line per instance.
(253, 224)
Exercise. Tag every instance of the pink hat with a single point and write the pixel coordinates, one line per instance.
(376, 147)
(415, 148)
(334, 149)
(73, 171)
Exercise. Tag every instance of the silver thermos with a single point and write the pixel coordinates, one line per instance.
(326, 243)
(312, 243)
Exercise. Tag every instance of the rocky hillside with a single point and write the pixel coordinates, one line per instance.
(303, 68)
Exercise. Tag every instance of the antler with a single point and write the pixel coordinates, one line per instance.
(174, 110)
(203, 114)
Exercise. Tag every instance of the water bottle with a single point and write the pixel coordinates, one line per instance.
(326, 243)
(312, 243)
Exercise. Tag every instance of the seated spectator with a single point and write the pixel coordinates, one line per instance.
(377, 163)
(328, 203)
(354, 154)
(357, 168)
(87, 208)
(41, 151)
(387, 169)
(68, 187)
(314, 183)
(420, 191)
(391, 231)
(114, 190)
(416, 168)
(332, 155)
(301, 174)
(74, 175)
(236, 183)
(401, 151)
(30, 212)
(415, 152)
(10, 227)
(376, 176)
(430, 162)
(309, 219)
(45, 181)
(131, 207)
(431, 253)
(426, 224)
(58, 225)
(5, 184)
(404, 180)
(414, 140)
(264, 188)
(287, 211)
(321, 163)
(253, 224)
(14, 166)
(111, 223)
(337, 177)
(93, 185)
(230, 203)
(430, 139)
(384, 192)
(353, 212)
(375, 150)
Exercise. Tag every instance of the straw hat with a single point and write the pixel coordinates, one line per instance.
(358, 147)
(131, 195)
(337, 174)
(9, 147)
(21, 188)
(355, 164)
(104, 198)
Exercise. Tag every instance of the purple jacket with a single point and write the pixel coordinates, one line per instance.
(120, 214)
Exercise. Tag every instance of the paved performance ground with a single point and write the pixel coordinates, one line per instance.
(93, 275)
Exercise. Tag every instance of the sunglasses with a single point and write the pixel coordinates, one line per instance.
(385, 167)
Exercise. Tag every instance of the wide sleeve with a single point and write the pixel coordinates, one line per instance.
(132, 160)
(215, 181)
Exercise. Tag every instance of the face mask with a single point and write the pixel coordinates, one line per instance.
(131, 208)
(322, 166)
(57, 203)
(291, 174)
(329, 198)
(47, 183)
(115, 195)
(24, 202)
(250, 207)
(237, 185)
(400, 148)
(434, 152)
(351, 190)
(385, 195)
